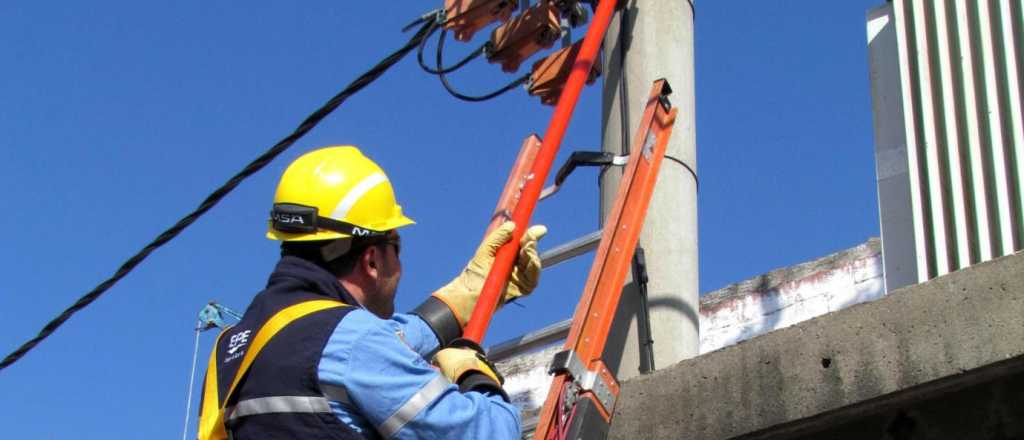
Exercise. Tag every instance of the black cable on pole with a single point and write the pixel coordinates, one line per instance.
(696, 181)
(447, 86)
(643, 322)
(623, 93)
(439, 70)
(311, 121)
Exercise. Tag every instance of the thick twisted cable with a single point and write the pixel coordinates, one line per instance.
(215, 197)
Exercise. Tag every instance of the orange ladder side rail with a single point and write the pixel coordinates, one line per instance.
(512, 193)
(579, 371)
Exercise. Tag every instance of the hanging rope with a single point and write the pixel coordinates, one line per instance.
(191, 380)
(311, 121)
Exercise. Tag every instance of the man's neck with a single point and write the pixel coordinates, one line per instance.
(354, 289)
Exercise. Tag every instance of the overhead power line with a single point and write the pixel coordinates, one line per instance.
(311, 121)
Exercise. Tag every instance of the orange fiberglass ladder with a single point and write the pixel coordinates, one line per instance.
(583, 392)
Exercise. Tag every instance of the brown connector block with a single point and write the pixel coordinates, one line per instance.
(550, 74)
(515, 41)
(466, 17)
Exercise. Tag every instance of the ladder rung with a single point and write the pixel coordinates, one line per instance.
(530, 341)
(572, 249)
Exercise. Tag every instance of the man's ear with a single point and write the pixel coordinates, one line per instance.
(369, 260)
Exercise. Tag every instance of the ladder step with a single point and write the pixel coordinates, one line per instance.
(570, 250)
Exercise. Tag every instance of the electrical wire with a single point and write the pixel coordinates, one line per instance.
(442, 70)
(308, 124)
(451, 90)
(696, 181)
(191, 380)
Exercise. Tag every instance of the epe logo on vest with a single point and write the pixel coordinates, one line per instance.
(237, 341)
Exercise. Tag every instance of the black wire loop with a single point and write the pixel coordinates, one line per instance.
(451, 90)
(256, 165)
(439, 70)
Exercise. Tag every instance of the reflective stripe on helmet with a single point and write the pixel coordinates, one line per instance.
(356, 193)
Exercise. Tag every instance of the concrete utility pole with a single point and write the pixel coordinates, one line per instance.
(656, 41)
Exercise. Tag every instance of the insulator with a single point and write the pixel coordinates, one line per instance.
(466, 17)
(521, 37)
(549, 75)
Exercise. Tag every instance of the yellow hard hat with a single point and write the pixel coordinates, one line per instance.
(333, 192)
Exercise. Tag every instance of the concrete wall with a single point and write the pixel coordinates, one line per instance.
(939, 360)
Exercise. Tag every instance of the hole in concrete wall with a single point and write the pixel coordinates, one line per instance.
(826, 362)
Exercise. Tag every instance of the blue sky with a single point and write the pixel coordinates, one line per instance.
(119, 117)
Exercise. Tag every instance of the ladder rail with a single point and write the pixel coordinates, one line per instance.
(581, 365)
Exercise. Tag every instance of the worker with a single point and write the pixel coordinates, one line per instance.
(358, 370)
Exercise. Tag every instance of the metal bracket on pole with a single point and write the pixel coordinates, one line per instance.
(582, 158)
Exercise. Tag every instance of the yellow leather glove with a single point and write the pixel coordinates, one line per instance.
(462, 292)
(464, 364)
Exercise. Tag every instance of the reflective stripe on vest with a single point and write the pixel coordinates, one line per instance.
(431, 391)
(278, 404)
(313, 405)
(289, 404)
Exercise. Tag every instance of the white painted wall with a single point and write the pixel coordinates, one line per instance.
(735, 313)
(758, 312)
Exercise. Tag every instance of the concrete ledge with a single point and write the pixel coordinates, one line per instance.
(910, 348)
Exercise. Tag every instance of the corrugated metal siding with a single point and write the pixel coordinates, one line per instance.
(961, 77)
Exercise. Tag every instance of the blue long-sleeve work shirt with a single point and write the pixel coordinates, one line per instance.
(394, 393)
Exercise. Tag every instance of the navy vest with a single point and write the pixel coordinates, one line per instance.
(280, 396)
